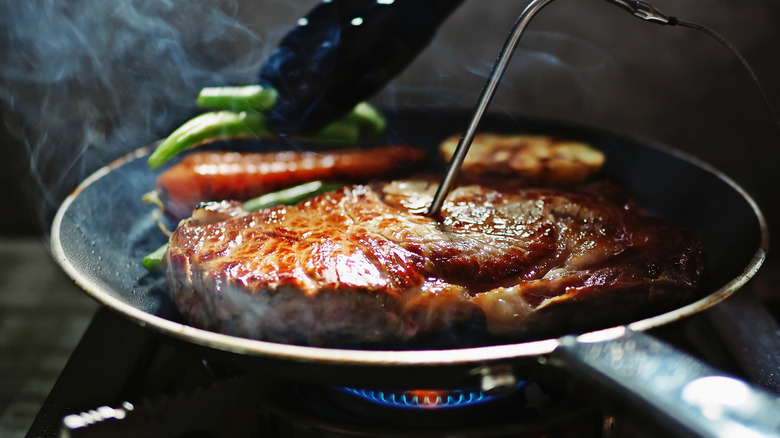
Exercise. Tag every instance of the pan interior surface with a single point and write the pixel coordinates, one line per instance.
(102, 232)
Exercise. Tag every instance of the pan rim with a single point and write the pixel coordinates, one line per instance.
(358, 357)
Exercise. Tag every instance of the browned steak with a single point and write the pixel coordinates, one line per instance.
(363, 264)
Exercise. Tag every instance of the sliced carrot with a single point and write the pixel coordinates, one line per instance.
(208, 176)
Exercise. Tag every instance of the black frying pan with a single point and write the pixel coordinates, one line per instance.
(103, 230)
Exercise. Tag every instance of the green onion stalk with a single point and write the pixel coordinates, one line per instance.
(240, 114)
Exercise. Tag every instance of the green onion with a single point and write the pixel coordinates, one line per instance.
(242, 117)
(344, 132)
(249, 97)
(223, 125)
(290, 196)
(153, 261)
(366, 115)
(206, 127)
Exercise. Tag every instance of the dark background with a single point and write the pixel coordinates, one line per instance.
(585, 61)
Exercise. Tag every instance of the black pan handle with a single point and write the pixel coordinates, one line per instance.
(686, 396)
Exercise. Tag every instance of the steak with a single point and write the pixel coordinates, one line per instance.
(364, 265)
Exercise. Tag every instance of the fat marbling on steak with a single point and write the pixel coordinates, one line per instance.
(364, 264)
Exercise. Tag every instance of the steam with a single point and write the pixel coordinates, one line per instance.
(84, 82)
(550, 70)
(545, 56)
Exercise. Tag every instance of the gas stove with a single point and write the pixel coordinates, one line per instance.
(125, 380)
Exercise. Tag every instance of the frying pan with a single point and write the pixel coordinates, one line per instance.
(102, 231)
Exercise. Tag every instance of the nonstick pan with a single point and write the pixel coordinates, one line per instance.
(102, 231)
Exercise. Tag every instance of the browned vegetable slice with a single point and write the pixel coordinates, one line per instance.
(536, 158)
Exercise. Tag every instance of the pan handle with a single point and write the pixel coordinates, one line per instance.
(677, 391)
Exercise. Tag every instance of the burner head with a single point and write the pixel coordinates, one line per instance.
(425, 398)
(527, 410)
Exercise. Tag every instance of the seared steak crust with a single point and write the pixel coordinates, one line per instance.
(363, 264)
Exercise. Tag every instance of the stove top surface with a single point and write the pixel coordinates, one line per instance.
(120, 369)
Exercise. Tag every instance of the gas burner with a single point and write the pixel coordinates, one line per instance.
(425, 398)
(173, 393)
(527, 410)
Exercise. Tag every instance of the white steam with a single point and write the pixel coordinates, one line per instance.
(86, 81)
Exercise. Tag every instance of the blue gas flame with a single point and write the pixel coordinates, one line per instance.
(422, 399)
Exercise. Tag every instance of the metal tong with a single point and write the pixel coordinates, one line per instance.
(639, 9)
